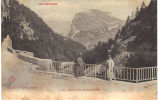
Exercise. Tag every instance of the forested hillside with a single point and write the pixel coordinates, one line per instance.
(135, 45)
(30, 33)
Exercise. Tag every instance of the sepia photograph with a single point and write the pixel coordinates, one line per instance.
(79, 49)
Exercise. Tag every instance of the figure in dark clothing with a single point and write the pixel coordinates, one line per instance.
(76, 69)
(79, 67)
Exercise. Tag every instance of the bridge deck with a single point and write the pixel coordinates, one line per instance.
(55, 85)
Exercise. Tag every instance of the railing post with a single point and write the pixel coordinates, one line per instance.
(133, 74)
(54, 67)
(155, 73)
(143, 74)
(148, 73)
(152, 74)
(129, 74)
(98, 71)
(123, 74)
(84, 69)
(95, 70)
(114, 73)
(105, 73)
(120, 72)
(51, 67)
(137, 75)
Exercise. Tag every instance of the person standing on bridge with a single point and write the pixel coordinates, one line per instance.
(110, 67)
(79, 67)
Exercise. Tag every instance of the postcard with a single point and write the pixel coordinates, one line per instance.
(79, 49)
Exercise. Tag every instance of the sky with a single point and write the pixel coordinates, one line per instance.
(59, 16)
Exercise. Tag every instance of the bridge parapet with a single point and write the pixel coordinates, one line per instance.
(91, 70)
(135, 74)
(122, 73)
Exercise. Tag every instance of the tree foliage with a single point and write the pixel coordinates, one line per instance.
(132, 15)
(99, 53)
(137, 11)
(143, 5)
(128, 19)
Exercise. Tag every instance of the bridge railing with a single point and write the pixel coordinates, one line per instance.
(55, 66)
(67, 67)
(88, 69)
(62, 67)
(121, 73)
(94, 70)
(135, 74)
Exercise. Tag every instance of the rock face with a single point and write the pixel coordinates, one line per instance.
(88, 28)
(29, 32)
(139, 36)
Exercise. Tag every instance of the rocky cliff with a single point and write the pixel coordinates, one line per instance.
(88, 28)
(135, 45)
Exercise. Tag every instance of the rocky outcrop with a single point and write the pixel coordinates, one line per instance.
(88, 28)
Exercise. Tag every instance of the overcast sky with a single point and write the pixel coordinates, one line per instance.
(66, 9)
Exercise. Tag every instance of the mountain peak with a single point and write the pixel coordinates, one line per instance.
(99, 11)
(92, 26)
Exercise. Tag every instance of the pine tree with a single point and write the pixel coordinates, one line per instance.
(133, 15)
(143, 5)
(137, 11)
(99, 44)
(128, 19)
(119, 31)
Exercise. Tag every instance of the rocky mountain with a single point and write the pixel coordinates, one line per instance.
(30, 33)
(88, 28)
(138, 38)
(135, 45)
